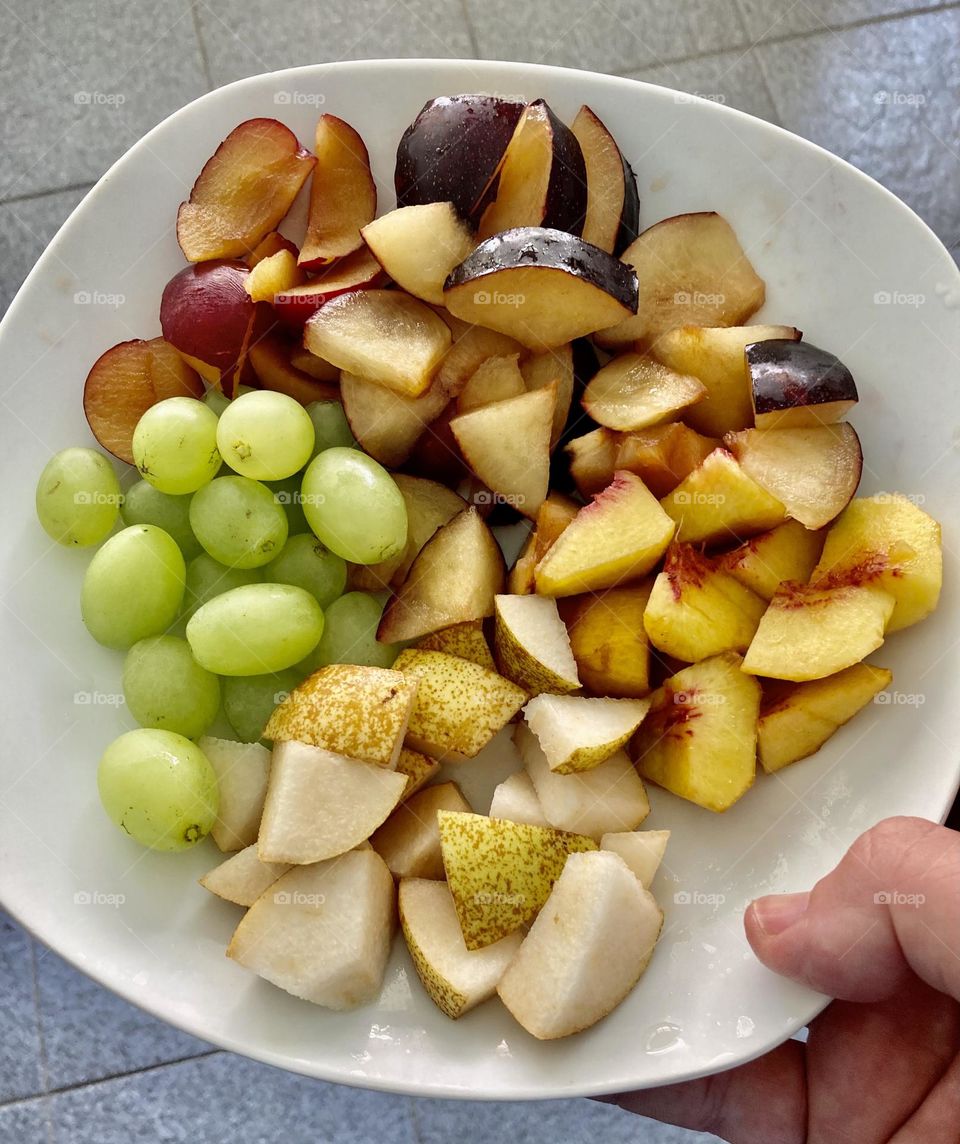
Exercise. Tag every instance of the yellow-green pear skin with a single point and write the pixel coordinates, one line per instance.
(465, 640)
(500, 873)
(456, 978)
(460, 705)
(360, 712)
(532, 645)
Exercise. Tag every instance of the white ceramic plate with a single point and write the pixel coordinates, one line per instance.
(832, 245)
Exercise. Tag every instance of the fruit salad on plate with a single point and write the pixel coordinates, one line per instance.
(493, 472)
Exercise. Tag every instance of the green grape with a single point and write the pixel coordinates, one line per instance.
(265, 435)
(165, 687)
(238, 521)
(145, 504)
(159, 788)
(78, 497)
(207, 578)
(255, 630)
(214, 399)
(330, 426)
(133, 586)
(354, 506)
(350, 635)
(287, 494)
(306, 563)
(249, 700)
(175, 445)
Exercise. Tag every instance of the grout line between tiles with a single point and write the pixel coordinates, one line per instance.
(45, 1096)
(201, 46)
(749, 45)
(414, 1120)
(41, 1040)
(45, 193)
(756, 56)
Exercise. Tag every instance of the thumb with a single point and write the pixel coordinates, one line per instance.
(890, 909)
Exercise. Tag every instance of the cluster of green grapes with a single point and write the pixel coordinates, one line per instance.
(253, 562)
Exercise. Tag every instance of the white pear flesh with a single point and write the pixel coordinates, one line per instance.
(609, 798)
(531, 645)
(320, 804)
(323, 932)
(577, 733)
(456, 978)
(516, 800)
(642, 850)
(242, 877)
(586, 951)
(409, 841)
(242, 770)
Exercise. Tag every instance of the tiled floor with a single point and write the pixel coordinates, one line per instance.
(876, 81)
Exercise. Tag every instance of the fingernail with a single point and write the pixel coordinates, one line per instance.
(778, 912)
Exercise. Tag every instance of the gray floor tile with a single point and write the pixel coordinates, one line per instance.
(20, 1073)
(767, 18)
(226, 1099)
(25, 229)
(888, 99)
(83, 80)
(603, 35)
(26, 1123)
(89, 1033)
(732, 78)
(444, 1121)
(244, 37)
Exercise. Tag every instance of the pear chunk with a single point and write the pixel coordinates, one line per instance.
(587, 949)
(515, 799)
(500, 872)
(465, 640)
(456, 978)
(699, 739)
(697, 610)
(797, 719)
(418, 768)
(409, 841)
(460, 705)
(619, 536)
(610, 797)
(577, 733)
(532, 645)
(323, 932)
(488, 438)
(453, 580)
(642, 850)
(360, 712)
(808, 632)
(242, 878)
(242, 771)
(320, 804)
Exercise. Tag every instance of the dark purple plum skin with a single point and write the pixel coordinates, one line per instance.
(630, 212)
(566, 206)
(526, 246)
(785, 374)
(451, 151)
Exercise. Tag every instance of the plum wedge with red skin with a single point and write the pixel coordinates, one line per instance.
(541, 286)
(542, 180)
(797, 385)
(208, 316)
(452, 150)
(613, 202)
(244, 190)
(343, 195)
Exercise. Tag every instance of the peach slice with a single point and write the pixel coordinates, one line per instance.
(787, 552)
(243, 191)
(208, 316)
(383, 335)
(609, 641)
(343, 195)
(125, 381)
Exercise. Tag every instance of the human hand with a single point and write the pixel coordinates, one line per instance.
(882, 1063)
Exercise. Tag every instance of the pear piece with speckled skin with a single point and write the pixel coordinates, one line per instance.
(242, 878)
(577, 733)
(360, 712)
(418, 768)
(460, 706)
(456, 978)
(465, 640)
(587, 949)
(500, 873)
(532, 645)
